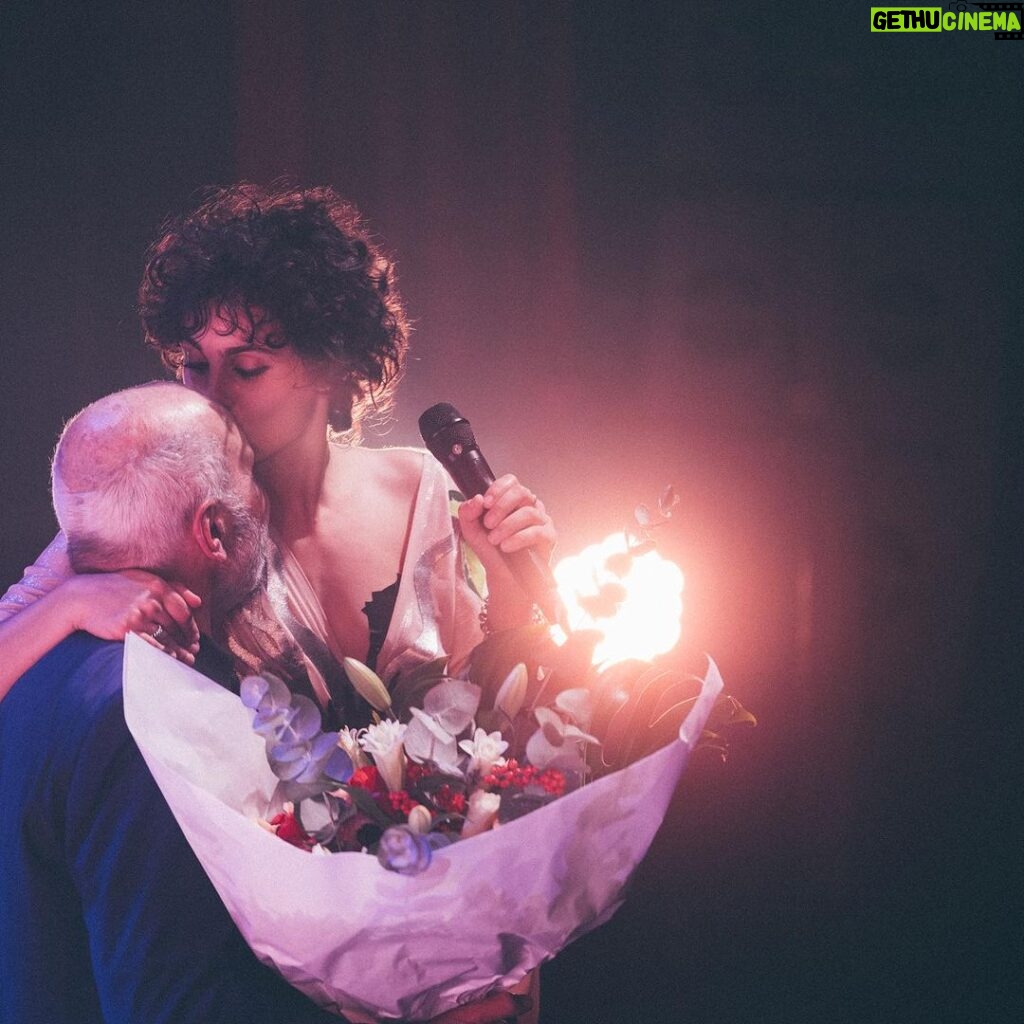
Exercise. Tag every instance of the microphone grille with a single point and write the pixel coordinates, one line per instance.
(436, 418)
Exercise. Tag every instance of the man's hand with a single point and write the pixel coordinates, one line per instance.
(109, 605)
(492, 1010)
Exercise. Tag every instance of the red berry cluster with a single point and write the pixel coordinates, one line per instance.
(448, 800)
(367, 778)
(512, 775)
(397, 802)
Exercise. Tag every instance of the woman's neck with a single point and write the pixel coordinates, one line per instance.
(293, 479)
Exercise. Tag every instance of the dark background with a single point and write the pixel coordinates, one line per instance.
(753, 250)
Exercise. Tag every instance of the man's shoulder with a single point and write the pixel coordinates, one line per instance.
(83, 654)
(81, 676)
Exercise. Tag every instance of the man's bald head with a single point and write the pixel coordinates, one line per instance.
(131, 470)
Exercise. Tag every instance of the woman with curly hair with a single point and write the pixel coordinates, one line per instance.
(279, 306)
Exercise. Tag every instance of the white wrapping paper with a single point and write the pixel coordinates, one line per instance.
(364, 941)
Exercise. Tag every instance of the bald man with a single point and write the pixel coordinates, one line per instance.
(107, 916)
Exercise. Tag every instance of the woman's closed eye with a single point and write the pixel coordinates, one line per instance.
(245, 372)
(250, 372)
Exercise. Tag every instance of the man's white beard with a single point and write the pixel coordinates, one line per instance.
(246, 568)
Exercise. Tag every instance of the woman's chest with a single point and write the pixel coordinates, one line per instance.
(352, 565)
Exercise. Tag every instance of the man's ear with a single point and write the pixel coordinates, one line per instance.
(209, 530)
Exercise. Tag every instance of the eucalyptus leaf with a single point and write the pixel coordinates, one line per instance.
(551, 725)
(284, 753)
(252, 690)
(668, 501)
(267, 723)
(272, 693)
(427, 743)
(295, 791)
(320, 817)
(302, 723)
(453, 704)
(338, 765)
(578, 704)
(422, 721)
(551, 747)
(322, 747)
(269, 698)
(317, 758)
(289, 769)
(570, 732)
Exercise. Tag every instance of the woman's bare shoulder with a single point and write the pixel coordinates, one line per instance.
(391, 470)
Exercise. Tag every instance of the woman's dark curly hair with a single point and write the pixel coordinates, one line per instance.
(304, 259)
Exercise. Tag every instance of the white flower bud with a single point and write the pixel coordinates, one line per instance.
(482, 811)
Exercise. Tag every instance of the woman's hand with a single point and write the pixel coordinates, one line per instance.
(492, 1010)
(109, 605)
(507, 517)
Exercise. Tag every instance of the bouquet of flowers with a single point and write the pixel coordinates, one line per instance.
(404, 788)
(425, 776)
(450, 925)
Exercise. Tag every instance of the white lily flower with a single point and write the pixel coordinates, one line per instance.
(481, 813)
(512, 692)
(384, 742)
(484, 750)
(367, 684)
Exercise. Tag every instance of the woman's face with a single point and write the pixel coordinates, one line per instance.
(275, 396)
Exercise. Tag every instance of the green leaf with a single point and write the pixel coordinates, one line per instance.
(409, 689)
(363, 799)
(494, 658)
(728, 712)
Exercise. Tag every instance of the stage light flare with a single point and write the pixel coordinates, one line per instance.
(634, 600)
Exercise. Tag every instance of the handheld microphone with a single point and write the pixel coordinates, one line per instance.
(449, 438)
